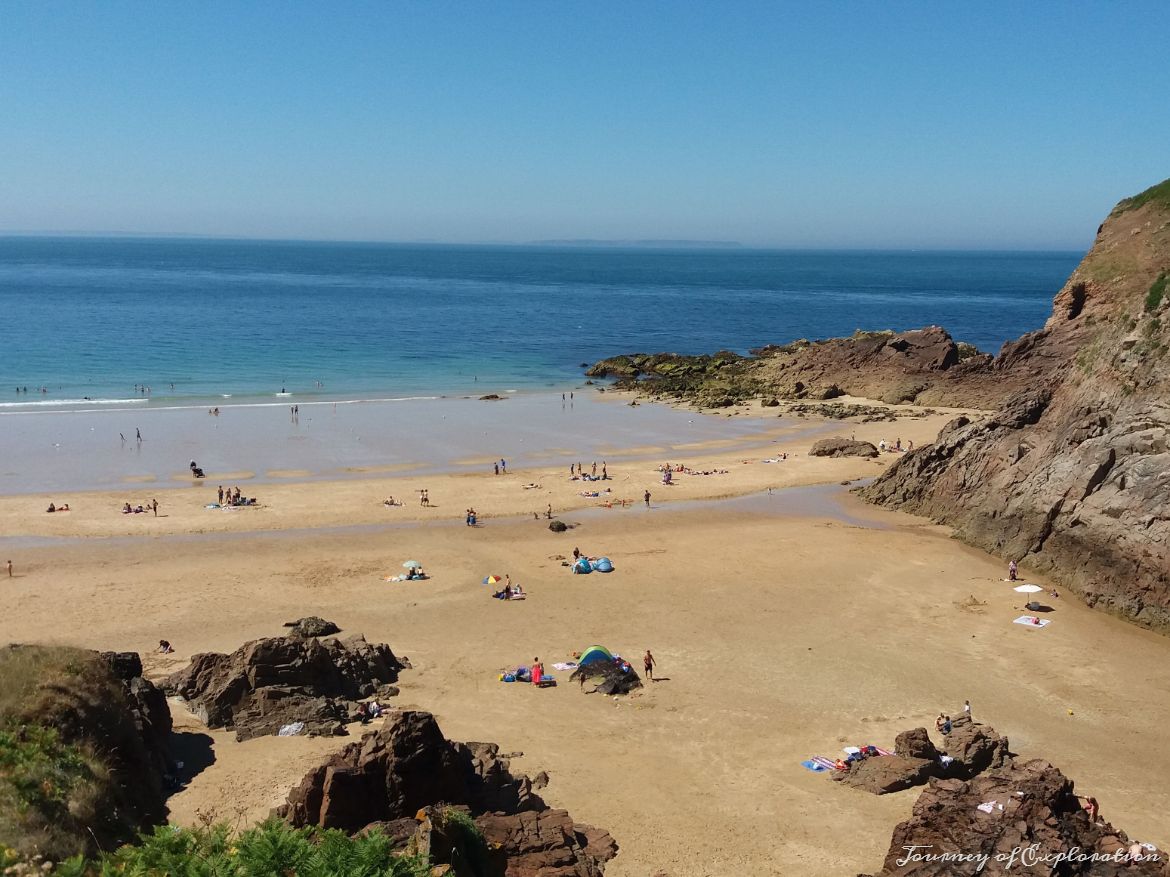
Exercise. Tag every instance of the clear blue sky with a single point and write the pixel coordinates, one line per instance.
(935, 124)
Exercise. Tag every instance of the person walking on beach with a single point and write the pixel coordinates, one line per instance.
(646, 497)
(139, 433)
(648, 665)
(503, 466)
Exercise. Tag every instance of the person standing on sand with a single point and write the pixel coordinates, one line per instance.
(967, 709)
(496, 466)
(604, 474)
(221, 494)
(503, 466)
(646, 497)
(139, 433)
(154, 506)
(548, 512)
(10, 569)
(1013, 571)
(648, 665)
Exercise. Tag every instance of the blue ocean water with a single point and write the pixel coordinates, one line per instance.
(93, 317)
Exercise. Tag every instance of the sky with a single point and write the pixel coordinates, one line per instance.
(884, 125)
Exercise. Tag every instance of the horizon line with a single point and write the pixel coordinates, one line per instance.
(679, 244)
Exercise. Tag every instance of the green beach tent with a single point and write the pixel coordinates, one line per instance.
(594, 654)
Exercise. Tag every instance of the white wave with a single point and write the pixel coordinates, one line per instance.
(57, 403)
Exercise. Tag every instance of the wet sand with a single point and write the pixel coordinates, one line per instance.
(788, 624)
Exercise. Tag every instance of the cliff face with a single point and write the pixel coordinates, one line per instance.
(1072, 473)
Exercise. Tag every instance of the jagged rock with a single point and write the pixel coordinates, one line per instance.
(975, 748)
(124, 665)
(1038, 808)
(838, 446)
(915, 743)
(558, 526)
(547, 843)
(407, 767)
(491, 397)
(312, 625)
(272, 682)
(1071, 474)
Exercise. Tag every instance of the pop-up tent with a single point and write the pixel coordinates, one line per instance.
(593, 654)
(582, 566)
(603, 564)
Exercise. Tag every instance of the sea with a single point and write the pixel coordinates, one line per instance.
(94, 321)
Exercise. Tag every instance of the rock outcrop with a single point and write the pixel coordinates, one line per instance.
(1021, 818)
(837, 446)
(272, 683)
(1071, 474)
(407, 769)
(925, 366)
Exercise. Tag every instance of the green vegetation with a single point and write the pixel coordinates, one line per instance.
(56, 793)
(271, 848)
(1159, 194)
(1157, 292)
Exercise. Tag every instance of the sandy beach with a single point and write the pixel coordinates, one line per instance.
(788, 618)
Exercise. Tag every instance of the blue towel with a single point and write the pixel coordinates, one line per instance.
(813, 766)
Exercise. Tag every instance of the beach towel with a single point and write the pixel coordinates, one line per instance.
(565, 665)
(813, 766)
(883, 751)
(1030, 621)
(826, 763)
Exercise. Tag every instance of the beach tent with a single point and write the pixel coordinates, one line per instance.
(593, 654)
(582, 566)
(603, 564)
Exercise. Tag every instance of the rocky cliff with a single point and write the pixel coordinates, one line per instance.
(1071, 474)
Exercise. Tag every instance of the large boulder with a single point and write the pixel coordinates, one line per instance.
(838, 446)
(915, 743)
(1029, 810)
(407, 769)
(271, 683)
(974, 748)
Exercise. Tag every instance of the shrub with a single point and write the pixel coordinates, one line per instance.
(1157, 291)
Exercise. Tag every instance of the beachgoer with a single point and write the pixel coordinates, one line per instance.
(496, 466)
(576, 554)
(164, 647)
(139, 433)
(503, 466)
(1091, 807)
(882, 445)
(10, 569)
(221, 494)
(648, 665)
(967, 709)
(938, 723)
(646, 496)
(910, 445)
(548, 512)
(1013, 571)
(594, 472)
(51, 508)
(154, 506)
(946, 728)
(537, 671)
(604, 474)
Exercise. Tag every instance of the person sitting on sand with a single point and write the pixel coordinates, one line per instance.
(938, 723)
(51, 508)
(164, 647)
(389, 501)
(126, 509)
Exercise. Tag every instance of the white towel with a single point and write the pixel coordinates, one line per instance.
(1030, 621)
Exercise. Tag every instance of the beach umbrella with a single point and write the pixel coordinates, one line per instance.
(412, 564)
(1028, 589)
(492, 580)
